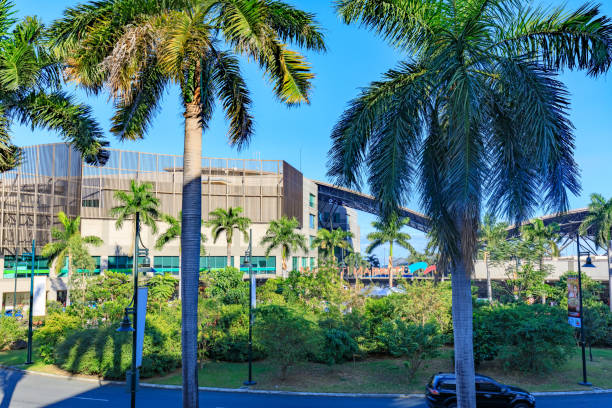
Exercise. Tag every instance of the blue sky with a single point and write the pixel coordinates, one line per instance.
(355, 57)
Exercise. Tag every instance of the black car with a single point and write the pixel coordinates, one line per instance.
(440, 392)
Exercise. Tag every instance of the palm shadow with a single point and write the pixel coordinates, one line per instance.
(8, 383)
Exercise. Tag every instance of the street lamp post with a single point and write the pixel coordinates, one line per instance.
(249, 264)
(31, 311)
(588, 264)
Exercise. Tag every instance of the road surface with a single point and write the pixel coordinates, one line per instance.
(19, 390)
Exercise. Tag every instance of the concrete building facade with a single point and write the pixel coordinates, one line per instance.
(54, 178)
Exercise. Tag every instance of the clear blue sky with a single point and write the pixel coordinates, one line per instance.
(355, 57)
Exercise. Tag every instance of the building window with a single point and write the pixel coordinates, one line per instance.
(24, 266)
(312, 221)
(312, 239)
(214, 262)
(261, 264)
(123, 263)
(64, 270)
(295, 263)
(311, 200)
(304, 262)
(312, 263)
(91, 203)
(164, 264)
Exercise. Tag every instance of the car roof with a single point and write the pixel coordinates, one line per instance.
(452, 375)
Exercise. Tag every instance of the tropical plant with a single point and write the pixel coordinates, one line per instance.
(599, 223)
(475, 112)
(282, 233)
(542, 239)
(161, 288)
(490, 235)
(68, 243)
(226, 221)
(174, 232)
(389, 232)
(327, 241)
(136, 48)
(31, 94)
(356, 261)
(373, 260)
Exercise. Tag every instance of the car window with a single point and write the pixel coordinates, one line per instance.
(485, 386)
(447, 384)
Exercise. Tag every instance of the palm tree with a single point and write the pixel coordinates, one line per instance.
(282, 233)
(599, 223)
(475, 112)
(356, 261)
(68, 243)
(227, 221)
(327, 241)
(389, 232)
(174, 232)
(373, 260)
(542, 238)
(30, 92)
(491, 234)
(140, 203)
(138, 47)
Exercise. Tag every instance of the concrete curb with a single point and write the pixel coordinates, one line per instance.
(275, 392)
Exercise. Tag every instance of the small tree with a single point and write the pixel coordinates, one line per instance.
(327, 241)
(287, 337)
(282, 233)
(491, 234)
(161, 289)
(227, 221)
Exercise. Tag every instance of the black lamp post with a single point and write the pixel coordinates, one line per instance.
(31, 311)
(249, 264)
(588, 264)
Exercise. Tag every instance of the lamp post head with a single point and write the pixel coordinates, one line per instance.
(589, 263)
(126, 324)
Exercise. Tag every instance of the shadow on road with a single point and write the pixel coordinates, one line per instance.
(8, 382)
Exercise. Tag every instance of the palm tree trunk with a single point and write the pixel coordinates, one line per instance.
(229, 251)
(489, 290)
(190, 249)
(462, 324)
(609, 278)
(68, 280)
(391, 265)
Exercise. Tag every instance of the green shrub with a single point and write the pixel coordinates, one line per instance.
(424, 302)
(287, 337)
(597, 322)
(337, 347)
(226, 285)
(56, 327)
(411, 341)
(486, 338)
(11, 330)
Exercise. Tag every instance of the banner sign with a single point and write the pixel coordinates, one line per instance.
(253, 292)
(573, 301)
(143, 294)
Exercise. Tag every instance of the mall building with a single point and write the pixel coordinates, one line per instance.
(53, 178)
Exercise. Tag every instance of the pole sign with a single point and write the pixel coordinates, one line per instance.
(253, 291)
(573, 301)
(143, 293)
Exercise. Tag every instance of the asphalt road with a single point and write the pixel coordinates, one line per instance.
(19, 390)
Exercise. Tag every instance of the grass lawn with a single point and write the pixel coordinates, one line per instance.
(387, 375)
(374, 375)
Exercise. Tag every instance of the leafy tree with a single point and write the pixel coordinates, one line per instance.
(373, 260)
(327, 241)
(136, 48)
(282, 233)
(161, 289)
(68, 243)
(599, 223)
(389, 232)
(287, 337)
(491, 235)
(424, 302)
(31, 94)
(356, 261)
(226, 221)
(227, 286)
(475, 112)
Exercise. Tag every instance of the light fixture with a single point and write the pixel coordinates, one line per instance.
(589, 263)
(126, 324)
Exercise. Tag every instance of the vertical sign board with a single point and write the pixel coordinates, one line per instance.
(143, 293)
(573, 301)
(253, 289)
(40, 296)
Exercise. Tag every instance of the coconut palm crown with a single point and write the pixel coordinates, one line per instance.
(139, 200)
(475, 115)
(68, 243)
(226, 221)
(31, 94)
(327, 241)
(282, 234)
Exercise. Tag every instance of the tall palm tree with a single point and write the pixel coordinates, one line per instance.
(226, 221)
(490, 235)
(30, 92)
(282, 234)
(174, 232)
(599, 223)
(139, 47)
(543, 238)
(389, 232)
(327, 241)
(356, 261)
(68, 243)
(475, 112)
